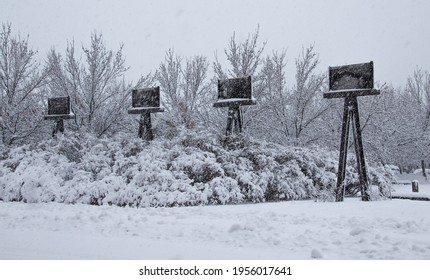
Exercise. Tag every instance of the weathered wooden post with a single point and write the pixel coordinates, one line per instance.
(423, 168)
(144, 102)
(233, 93)
(415, 186)
(349, 82)
(59, 109)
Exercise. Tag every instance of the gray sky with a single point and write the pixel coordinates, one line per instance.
(394, 34)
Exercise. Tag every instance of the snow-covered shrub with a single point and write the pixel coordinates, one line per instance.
(224, 190)
(199, 166)
(190, 169)
(30, 175)
(70, 148)
(290, 182)
(381, 176)
(378, 175)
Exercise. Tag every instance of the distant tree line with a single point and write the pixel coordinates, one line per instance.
(396, 124)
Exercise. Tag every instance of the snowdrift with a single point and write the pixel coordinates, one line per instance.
(192, 169)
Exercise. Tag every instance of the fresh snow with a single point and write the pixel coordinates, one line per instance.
(61, 179)
(404, 187)
(353, 229)
(235, 100)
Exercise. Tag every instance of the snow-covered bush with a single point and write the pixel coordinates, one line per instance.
(381, 176)
(33, 175)
(190, 169)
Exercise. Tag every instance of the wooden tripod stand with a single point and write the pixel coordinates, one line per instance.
(349, 82)
(351, 117)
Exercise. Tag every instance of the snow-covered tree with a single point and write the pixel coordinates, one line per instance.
(168, 76)
(184, 89)
(195, 88)
(379, 118)
(295, 113)
(244, 59)
(99, 93)
(307, 104)
(21, 77)
(272, 98)
(395, 124)
(418, 89)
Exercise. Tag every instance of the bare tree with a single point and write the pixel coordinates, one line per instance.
(100, 95)
(244, 59)
(306, 100)
(184, 90)
(21, 113)
(169, 77)
(194, 88)
(418, 87)
(297, 111)
(272, 74)
(272, 98)
(378, 118)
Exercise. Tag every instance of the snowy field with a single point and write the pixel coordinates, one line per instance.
(404, 188)
(390, 229)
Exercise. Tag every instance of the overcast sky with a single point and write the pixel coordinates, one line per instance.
(394, 34)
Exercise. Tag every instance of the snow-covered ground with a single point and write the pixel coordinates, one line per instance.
(404, 188)
(390, 229)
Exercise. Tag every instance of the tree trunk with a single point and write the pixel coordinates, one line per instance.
(423, 167)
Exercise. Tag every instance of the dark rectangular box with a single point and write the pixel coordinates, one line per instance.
(59, 105)
(354, 76)
(147, 97)
(235, 88)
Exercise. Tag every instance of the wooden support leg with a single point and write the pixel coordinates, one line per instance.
(359, 152)
(145, 127)
(340, 187)
(234, 120)
(230, 118)
(59, 127)
(237, 120)
(149, 136)
(141, 126)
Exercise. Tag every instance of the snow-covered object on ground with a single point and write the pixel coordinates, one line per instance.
(192, 169)
(404, 189)
(353, 229)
